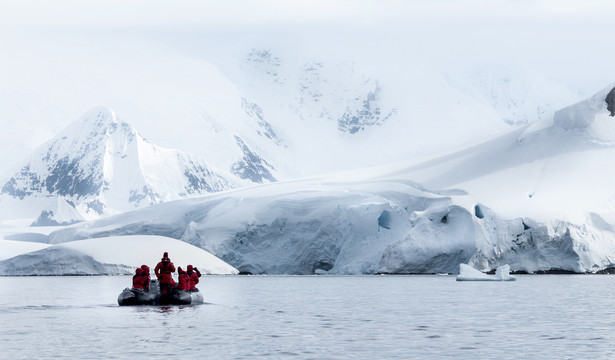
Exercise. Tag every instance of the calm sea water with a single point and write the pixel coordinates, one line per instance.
(314, 317)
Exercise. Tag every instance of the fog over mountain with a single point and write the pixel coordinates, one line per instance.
(343, 137)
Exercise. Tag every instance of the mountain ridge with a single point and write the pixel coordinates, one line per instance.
(102, 166)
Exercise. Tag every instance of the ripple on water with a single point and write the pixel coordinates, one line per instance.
(279, 317)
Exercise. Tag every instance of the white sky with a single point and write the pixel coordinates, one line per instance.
(233, 12)
(259, 12)
(568, 39)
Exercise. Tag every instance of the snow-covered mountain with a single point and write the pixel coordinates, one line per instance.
(539, 198)
(101, 165)
(336, 115)
(333, 93)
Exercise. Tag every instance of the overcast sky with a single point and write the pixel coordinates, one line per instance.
(281, 12)
(565, 39)
(569, 40)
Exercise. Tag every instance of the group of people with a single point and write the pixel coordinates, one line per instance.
(141, 278)
(187, 279)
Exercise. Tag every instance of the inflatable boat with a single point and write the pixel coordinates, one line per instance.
(131, 296)
(182, 297)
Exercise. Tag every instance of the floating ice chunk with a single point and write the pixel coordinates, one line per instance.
(468, 273)
(503, 273)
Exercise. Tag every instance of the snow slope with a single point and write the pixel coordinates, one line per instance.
(12, 248)
(335, 114)
(554, 168)
(539, 198)
(104, 256)
(516, 94)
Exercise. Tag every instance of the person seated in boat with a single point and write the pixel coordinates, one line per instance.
(146, 277)
(183, 279)
(194, 275)
(163, 271)
(137, 279)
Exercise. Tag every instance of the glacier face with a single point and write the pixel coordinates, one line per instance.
(339, 229)
(294, 232)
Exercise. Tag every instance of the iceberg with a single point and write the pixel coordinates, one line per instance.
(468, 273)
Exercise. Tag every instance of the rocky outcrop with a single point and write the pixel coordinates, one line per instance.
(610, 102)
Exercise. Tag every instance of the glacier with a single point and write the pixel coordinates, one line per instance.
(498, 202)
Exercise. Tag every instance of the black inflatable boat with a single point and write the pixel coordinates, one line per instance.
(132, 296)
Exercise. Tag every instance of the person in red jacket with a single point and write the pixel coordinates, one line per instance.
(146, 277)
(194, 275)
(163, 271)
(137, 279)
(183, 279)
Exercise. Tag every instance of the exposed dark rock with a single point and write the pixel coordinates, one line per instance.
(256, 112)
(201, 179)
(266, 62)
(609, 270)
(369, 114)
(610, 101)
(252, 167)
(68, 178)
(519, 272)
(556, 272)
(96, 205)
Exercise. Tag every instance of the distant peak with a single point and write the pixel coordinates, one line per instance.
(100, 115)
(97, 123)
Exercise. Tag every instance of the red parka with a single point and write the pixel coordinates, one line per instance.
(163, 271)
(146, 276)
(137, 279)
(194, 275)
(184, 279)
